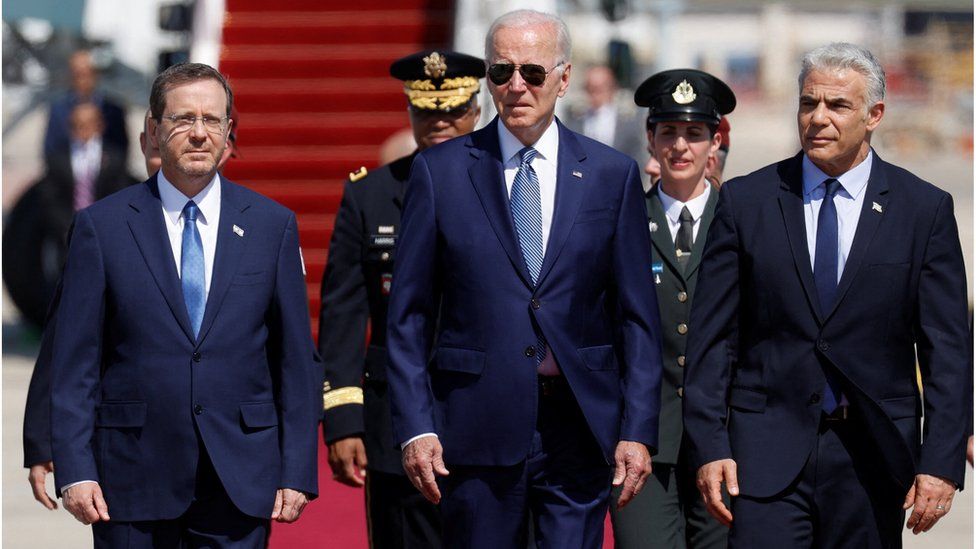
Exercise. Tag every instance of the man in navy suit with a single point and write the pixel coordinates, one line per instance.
(184, 382)
(824, 277)
(524, 340)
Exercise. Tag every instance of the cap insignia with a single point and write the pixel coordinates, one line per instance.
(435, 65)
(684, 93)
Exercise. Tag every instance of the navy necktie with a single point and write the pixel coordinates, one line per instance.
(825, 275)
(526, 204)
(192, 274)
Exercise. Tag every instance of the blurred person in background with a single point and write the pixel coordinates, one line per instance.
(685, 109)
(606, 117)
(826, 276)
(37, 408)
(84, 84)
(716, 160)
(442, 100)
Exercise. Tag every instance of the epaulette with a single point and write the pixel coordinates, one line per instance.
(357, 175)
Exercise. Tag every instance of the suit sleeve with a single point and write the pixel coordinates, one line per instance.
(299, 369)
(37, 409)
(343, 317)
(712, 333)
(411, 311)
(944, 349)
(640, 325)
(76, 356)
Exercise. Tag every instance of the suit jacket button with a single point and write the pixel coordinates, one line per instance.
(681, 392)
(530, 351)
(682, 297)
(823, 345)
(681, 360)
(682, 328)
(814, 398)
(535, 303)
(198, 409)
(197, 356)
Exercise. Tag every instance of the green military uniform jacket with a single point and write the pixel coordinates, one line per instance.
(675, 287)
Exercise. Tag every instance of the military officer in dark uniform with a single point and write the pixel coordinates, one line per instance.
(442, 99)
(685, 108)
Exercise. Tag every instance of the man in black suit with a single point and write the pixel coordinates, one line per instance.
(355, 293)
(824, 276)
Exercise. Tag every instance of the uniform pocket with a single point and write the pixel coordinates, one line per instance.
(120, 414)
(747, 399)
(259, 414)
(600, 357)
(455, 359)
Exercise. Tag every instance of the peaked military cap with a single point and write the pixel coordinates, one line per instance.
(439, 80)
(685, 95)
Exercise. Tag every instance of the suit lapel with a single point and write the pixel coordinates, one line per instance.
(698, 248)
(791, 203)
(147, 226)
(868, 220)
(569, 195)
(661, 235)
(230, 250)
(488, 177)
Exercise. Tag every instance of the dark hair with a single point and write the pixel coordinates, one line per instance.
(184, 73)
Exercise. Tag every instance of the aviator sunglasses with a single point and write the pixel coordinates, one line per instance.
(534, 75)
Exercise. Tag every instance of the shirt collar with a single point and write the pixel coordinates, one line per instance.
(207, 200)
(547, 146)
(852, 181)
(672, 207)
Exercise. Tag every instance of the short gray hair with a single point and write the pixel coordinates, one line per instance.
(843, 55)
(526, 18)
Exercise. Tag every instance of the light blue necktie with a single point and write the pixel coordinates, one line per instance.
(527, 214)
(825, 275)
(192, 269)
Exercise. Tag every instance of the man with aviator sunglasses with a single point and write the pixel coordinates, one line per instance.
(523, 335)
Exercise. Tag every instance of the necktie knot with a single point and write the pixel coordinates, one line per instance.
(685, 215)
(526, 155)
(832, 186)
(190, 211)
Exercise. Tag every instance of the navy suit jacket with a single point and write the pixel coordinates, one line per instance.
(131, 385)
(754, 380)
(468, 378)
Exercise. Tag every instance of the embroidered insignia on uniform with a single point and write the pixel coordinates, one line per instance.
(683, 93)
(435, 65)
(386, 282)
(385, 229)
(653, 226)
(358, 174)
(238, 231)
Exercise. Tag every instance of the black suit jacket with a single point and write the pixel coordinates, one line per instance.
(754, 379)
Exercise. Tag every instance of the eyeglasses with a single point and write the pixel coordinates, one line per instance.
(534, 75)
(184, 122)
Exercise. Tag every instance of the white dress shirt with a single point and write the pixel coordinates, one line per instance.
(848, 201)
(601, 124)
(86, 162)
(545, 165)
(208, 219)
(672, 210)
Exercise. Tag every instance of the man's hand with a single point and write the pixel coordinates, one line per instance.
(347, 458)
(85, 502)
(288, 505)
(932, 498)
(632, 465)
(969, 450)
(422, 459)
(709, 481)
(36, 478)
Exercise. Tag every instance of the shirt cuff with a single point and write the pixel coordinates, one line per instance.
(422, 435)
(65, 488)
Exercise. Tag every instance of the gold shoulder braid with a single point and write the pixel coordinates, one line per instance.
(341, 396)
(358, 174)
